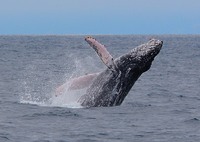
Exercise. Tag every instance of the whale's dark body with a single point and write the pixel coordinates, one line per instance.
(111, 86)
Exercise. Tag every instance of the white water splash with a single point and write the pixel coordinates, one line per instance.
(38, 92)
(67, 99)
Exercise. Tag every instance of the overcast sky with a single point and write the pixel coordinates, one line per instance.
(99, 16)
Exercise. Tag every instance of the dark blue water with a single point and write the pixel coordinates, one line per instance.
(163, 105)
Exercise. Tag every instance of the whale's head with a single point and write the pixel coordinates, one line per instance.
(141, 57)
(145, 54)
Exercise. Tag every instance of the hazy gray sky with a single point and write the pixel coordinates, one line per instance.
(99, 16)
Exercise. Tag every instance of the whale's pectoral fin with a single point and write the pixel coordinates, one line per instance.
(102, 52)
(76, 83)
(82, 81)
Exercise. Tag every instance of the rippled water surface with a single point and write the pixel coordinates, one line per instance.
(163, 105)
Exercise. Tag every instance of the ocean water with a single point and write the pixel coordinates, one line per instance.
(163, 105)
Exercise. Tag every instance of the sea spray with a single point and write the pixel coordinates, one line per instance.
(40, 89)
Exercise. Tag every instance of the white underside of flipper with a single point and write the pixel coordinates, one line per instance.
(76, 83)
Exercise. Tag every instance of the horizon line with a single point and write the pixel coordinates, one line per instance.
(90, 34)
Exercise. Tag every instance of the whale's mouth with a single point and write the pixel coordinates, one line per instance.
(148, 50)
(154, 43)
(151, 48)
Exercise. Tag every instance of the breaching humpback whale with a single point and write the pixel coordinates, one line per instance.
(110, 87)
